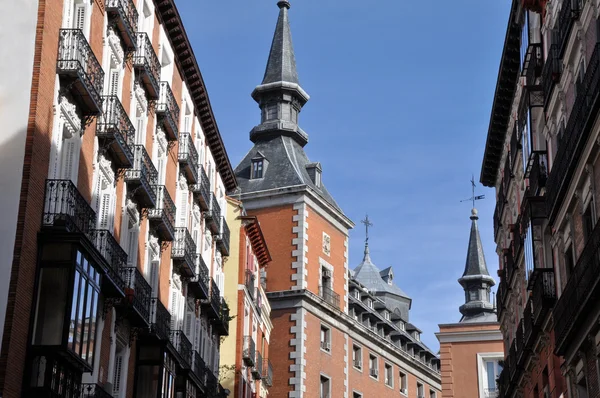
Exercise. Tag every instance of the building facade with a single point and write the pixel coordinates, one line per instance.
(541, 157)
(121, 234)
(246, 369)
(334, 333)
(472, 350)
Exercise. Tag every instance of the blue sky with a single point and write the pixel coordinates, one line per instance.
(401, 94)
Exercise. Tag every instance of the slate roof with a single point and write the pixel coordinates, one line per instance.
(370, 276)
(475, 264)
(281, 66)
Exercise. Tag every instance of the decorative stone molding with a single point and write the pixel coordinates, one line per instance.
(140, 95)
(301, 231)
(71, 117)
(105, 167)
(133, 212)
(114, 41)
(297, 355)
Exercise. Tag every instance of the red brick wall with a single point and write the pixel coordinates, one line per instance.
(280, 343)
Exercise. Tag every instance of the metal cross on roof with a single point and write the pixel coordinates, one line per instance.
(367, 224)
(474, 197)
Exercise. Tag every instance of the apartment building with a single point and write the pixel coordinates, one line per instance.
(118, 264)
(246, 369)
(336, 333)
(541, 157)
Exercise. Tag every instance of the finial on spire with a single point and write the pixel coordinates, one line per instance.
(284, 3)
(367, 224)
(473, 198)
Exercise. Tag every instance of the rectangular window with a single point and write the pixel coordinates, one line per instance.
(357, 395)
(357, 357)
(403, 383)
(325, 387)
(588, 223)
(432, 394)
(420, 391)
(257, 169)
(569, 265)
(373, 366)
(325, 338)
(389, 375)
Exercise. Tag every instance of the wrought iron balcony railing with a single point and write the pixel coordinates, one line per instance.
(199, 368)
(124, 14)
(497, 222)
(213, 215)
(578, 295)
(93, 391)
(500, 297)
(501, 201)
(249, 351)
(213, 304)
(167, 111)
(223, 238)
(517, 242)
(509, 266)
(199, 284)
(327, 294)
(183, 347)
(66, 209)
(529, 329)
(268, 372)
(79, 71)
(544, 293)
(141, 178)
(532, 64)
(183, 253)
(201, 190)
(537, 172)
(146, 63)
(115, 258)
(551, 72)
(579, 125)
(188, 157)
(515, 146)
(250, 283)
(521, 350)
(222, 326)
(568, 14)
(137, 294)
(160, 319)
(115, 132)
(257, 370)
(162, 216)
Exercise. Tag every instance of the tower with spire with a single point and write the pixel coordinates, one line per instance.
(476, 280)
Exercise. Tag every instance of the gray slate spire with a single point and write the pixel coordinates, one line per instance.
(281, 66)
(476, 280)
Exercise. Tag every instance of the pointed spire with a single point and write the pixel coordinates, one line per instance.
(475, 264)
(281, 66)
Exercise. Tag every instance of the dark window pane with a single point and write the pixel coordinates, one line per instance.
(51, 306)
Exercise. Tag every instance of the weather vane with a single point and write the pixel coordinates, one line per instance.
(473, 198)
(367, 225)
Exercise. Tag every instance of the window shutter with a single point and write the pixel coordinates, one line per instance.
(139, 131)
(104, 210)
(160, 168)
(114, 82)
(68, 162)
(132, 248)
(117, 375)
(154, 277)
(80, 16)
(182, 208)
(189, 322)
(197, 335)
(174, 309)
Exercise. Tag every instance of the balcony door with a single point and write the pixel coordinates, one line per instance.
(104, 195)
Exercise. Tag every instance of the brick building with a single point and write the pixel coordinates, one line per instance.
(472, 350)
(246, 369)
(120, 237)
(337, 333)
(541, 157)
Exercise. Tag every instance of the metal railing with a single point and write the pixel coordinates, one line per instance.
(184, 250)
(257, 371)
(160, 319)
(551, 72)
(224, 237)
(75, 57)
(138, 291)
(213, 215)
(500, 297)
(267, 372)
(114, 124)
(127, 14)
(89, 390)
(143, 173)
(168, 111)
(201, 189)
(537, 171)
(249, 351)
(146, 61)
(568, 14)
(183, 346)
(544, 293)
(65, 207)
(200, 282)
(113, 254)
(199, 368)
(327, 294)
(250, 282)
(188, 156)
(163, 213)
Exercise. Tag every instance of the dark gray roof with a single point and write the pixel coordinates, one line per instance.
(482, 317)
(370, 276)
(286, 167)
(281, 66)
(475, 264)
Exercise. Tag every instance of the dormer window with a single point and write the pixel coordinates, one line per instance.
(400, 325)
(417, 336)
(386, 315)
(369, 303)
(357, 294)
(314, 172)
(259, 166)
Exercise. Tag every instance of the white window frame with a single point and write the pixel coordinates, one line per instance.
(376, 367)
(328, 393)
(325, 338)
(482, 358)
(388, 379)
(360, 352)
(403, 379)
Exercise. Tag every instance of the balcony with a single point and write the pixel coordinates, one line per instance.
(250, 283)
(515, 146)
(222, 324)
(267, 372)
(115, 132)
(188, 157)
(327, 294)
(213, 215)
(183, 253)
(137, 295)
(66, 210)
(162, 216)
(551, 72)
(501, 294)
(201, 190)
(183, 348)
(249, 351)
(160, 320)
(199, 284)
(141, 178)
(579, 125)
(501, 200)
(521, 350)
(93, 391)
(537, 172)
(532, 64)
(517, 242)
(212, 383)
(530, 330)
(114, 258)
(568, 14)
(257, 370)
(167, 111)
(497, 222)
(213, 304)
(147, 65)
(223, 238)
(80, 72)
(124, 15)
(199, 369)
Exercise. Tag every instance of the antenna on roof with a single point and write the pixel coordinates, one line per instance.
(473, 197)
